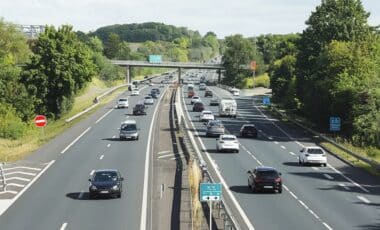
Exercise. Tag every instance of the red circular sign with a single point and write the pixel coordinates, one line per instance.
(40, 121)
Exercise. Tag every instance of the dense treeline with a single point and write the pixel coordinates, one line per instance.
(331, 69)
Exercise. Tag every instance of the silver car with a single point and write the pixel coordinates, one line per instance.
(148, 100)
(214, 128)
(128, 130)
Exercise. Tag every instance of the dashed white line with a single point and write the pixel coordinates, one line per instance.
(76, 139)
(101, 157)
(276, 142)
(344, 186)
(92, 172)
(162, 152)
(108, 145)
(101, 118)
(353, 182)
(283, 147)
(163, 156)
(291, 153)
(270, 138)
(365, 200)
(63, 227)
(328, 176)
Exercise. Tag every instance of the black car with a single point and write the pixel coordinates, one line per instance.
(139, 109)
(248, 130)
(154, 95)
(198, 107)
(106, 182)
(155, 90)
(264, 178)
(208, 93)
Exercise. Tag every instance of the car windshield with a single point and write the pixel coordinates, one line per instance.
(267, 174)
(128, 127)
(148, 97)
(105, 176)
(315, 151)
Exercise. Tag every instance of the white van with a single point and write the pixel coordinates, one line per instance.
(227, 107)
(235, 92)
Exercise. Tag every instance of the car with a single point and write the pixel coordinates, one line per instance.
(214, 102)
(135, 92)
(264, 178)
(248, 130)
(122, 103)
(214, 128)
(156, 90)
(148, 100)
(195, 99)
(162, 85)
(190, 93)
(139, 109)
(128, 130)
(151, 84)
(154, 95)
(202, 86)
(312, 155)
(206, 115)
(198, 107)
(227, 142)
(208, 93)
(105, 182)
(235, 92)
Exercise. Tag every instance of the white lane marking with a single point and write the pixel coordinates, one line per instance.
(344, 186)
(108, 145)
(291, 153)
(92, 172)
(20, 172)
(270, 138)
(8, 191)
(283, 147)
(276, 142)
(291, 193)
(328, 176)
(80, 196)
(76, 139)
(21, 167)
(4, 208)
(162, 152)
(17, 178)
(164, 156)
(327, 226)
(101, 118)
(315, 168)
(330, 166)
(101, 157)
(16, 185)
(63, 227)
(225, 185)
(365, 200)
(144, 202)
(113, 136)
(126, 116)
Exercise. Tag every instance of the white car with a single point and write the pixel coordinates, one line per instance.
(122, 103)
(227, 143)
(148, 100)
(135, 92)
(235, 92)
(195, 99)
(206, 115)
(312, 155)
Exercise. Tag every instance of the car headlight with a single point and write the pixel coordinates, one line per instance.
(93, 187)
(115, 187)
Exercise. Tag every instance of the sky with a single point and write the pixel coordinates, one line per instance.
(223, 17)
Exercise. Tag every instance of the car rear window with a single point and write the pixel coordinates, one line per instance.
(148, 97)
(228, 138)
(123, 99)
(129, 127)
(207, 113)
(249, 128)
(315, 151)
(267, 174)
(105, 176)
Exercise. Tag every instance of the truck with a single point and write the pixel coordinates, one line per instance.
(227, 107)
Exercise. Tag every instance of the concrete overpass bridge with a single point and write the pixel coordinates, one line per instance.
(178, 65)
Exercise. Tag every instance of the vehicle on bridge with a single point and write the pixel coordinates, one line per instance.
(106, 182)
(264, 178)
(227, 107)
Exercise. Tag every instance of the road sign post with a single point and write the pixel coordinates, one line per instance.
(210, 192)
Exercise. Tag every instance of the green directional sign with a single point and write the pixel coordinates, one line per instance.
(210, 191)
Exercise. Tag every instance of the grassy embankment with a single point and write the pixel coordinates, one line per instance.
(12, 150)
(259, 81)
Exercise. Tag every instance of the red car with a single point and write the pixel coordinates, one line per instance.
(190, 94)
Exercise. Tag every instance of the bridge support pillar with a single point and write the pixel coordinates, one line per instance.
(128, 77)
(179, 76)
(219, 76)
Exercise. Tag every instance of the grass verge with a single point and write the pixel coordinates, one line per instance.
(13, 150)
(259, 81)
(195, 176)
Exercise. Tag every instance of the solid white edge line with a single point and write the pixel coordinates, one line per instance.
(328, 176)
(63, 227)
(76, 139)
(144, 205)
(27, 186)
(344, 186)
(327, 226)
(227, 188)
(101, 118)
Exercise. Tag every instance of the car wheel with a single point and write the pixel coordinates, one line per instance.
(137, 138)
(325, 164)
(119, 195)
(91, 195)
(280, 190)
(237, 151)
(299, 162)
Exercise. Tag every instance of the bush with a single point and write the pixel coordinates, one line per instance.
(259, 81)
(11, 126)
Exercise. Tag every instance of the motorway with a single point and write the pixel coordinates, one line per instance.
(59, 198)
(313, 197)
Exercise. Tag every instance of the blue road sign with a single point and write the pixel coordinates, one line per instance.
(155, 59)
(266, 100)
(335, 124)
(210, 191)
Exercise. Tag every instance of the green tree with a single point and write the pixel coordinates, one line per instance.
(124, 52)
(60, 67)
(112, 45)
